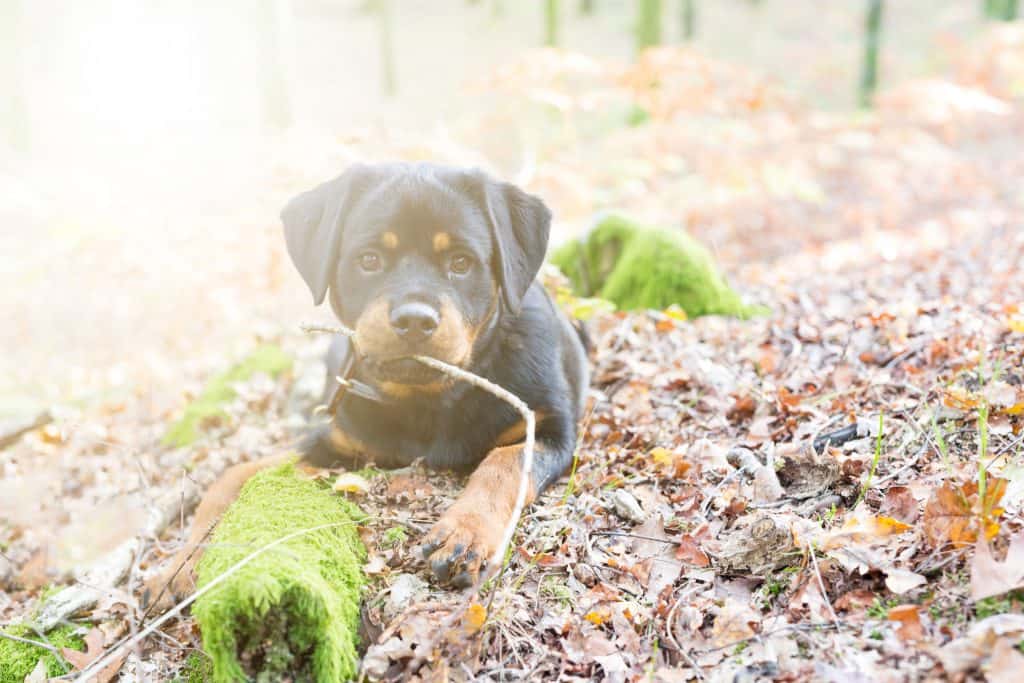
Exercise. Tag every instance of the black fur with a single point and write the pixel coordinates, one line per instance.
(526, 345)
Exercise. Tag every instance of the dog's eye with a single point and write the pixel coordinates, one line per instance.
(369, 262)
(460, 264)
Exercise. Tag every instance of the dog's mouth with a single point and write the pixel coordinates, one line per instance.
(402, 371)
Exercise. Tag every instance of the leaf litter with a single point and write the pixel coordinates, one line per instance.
(735, 511)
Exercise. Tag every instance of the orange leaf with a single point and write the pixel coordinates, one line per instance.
(909, 619)
(598, 617)
(690, 551)
(955, 514)
(475, 617)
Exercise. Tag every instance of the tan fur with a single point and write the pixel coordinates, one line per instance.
(389, 240)
(179, 576)
(516, 432)
(451, 342)
(470, 531)
(442, 242)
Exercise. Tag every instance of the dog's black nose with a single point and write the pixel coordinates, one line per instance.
(414, 321)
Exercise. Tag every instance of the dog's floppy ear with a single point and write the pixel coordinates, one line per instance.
(313, 225)
(520, 225)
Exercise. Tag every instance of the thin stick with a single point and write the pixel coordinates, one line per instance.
(34, 643)
(113, 652)
(821, 586)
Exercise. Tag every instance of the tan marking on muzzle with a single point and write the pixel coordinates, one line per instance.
(442, 241)
(452, 342)
(389, 240)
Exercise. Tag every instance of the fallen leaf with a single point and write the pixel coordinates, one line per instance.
(1006, 663)
(598, 617)
(689, 551)
(863, 527)
(909, 619)
(39, 674)
(93, 651)
(955, 514)
(733, 623)
(856, 600)
(989, 577)
(900, 581)
(899, 503)
(475, 617)
(350, 482)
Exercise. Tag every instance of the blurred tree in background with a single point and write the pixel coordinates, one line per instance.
(13, 105)
(385, 20)
(551, 22)
(872, 39)
(1001, 10)
(272, 22)
(648, 24)
(689, 19)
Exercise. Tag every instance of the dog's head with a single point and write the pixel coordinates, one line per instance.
(418, 259)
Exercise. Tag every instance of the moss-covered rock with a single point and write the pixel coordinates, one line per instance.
(219, 391)
(293, 611)
(18, 659)
(639, 267)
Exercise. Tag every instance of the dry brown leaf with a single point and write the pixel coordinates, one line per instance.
(863, 527)
(899, 503)
(93, 651)
(733, 622)
(689, 551)
(989, 577)
(1006, 663)
(909, 619)
(955, 514)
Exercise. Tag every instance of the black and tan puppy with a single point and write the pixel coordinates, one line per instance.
(421, 259)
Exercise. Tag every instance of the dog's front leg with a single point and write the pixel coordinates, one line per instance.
(468, 534)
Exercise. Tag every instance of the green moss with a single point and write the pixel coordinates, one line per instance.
(220, 391)
(294, 610)
(17, 660)
(396, 535)
(198, 669)
(637, 267)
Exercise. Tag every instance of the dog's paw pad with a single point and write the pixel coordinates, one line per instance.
(458, 546)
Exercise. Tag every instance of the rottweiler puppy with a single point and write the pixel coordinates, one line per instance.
(422, 259)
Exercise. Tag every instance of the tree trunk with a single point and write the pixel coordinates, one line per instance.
(14, 120)
(689, 19)
(551, 23)
(1000, 10)
(648, 24)
(587, 7)
(385, 27)
(872, 40)
(272, 22)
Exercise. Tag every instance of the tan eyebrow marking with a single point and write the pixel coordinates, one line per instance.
(442, 241)
(389, 240)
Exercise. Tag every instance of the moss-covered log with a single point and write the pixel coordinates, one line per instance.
(637, 267)
(293, 611)
(219, 391)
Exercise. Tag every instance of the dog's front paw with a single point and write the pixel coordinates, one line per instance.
(459, 545)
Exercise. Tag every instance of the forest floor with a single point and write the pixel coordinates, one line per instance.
(831, 492)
